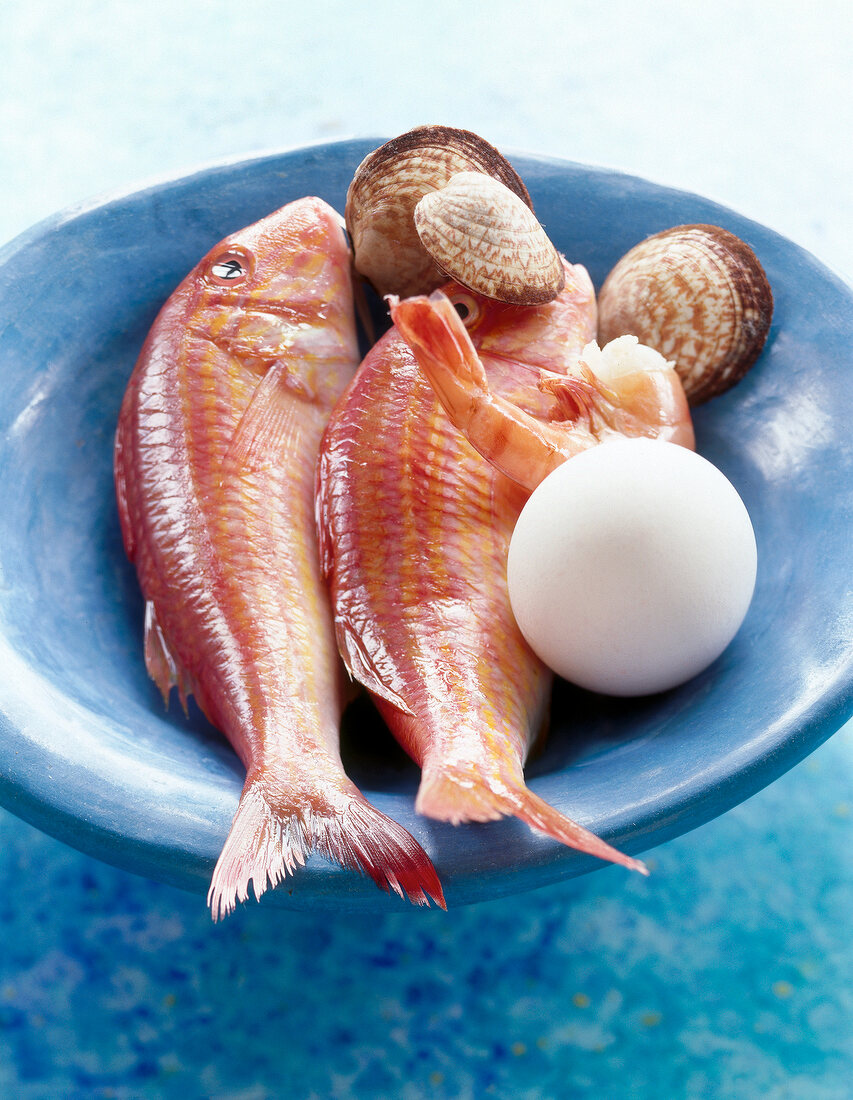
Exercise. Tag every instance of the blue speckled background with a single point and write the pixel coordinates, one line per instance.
(729, 973)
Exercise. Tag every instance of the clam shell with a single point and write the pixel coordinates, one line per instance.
(483, 236)
(387, 186)
(698, 295)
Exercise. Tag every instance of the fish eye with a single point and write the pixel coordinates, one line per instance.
(468, 308)
(228, 269)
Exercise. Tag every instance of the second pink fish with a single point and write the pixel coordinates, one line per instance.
(414, 531)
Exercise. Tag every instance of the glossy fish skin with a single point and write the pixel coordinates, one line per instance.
(215, 462)
(414, 529)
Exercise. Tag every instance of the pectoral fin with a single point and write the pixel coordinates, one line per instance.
(269, 421)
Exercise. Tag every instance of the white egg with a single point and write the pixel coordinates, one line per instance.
(632, 567)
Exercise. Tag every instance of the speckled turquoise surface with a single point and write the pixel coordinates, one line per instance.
(728, 973)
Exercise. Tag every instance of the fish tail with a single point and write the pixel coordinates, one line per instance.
(458, 796)
(538, 814)
(265, 845)
(449, 795)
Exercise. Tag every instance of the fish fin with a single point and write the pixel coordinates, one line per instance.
(322, 508)
(267, 420)
(265, 844)
(450, 795)
(538, 814)
(162, 665)
(362, 663)
(457, 796)
(361, 666)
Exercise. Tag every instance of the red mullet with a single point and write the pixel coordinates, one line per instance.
(215, 465)
(414, 530)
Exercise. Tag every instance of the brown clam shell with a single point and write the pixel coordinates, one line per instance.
(698, 295)
(388, 185)
(484, 237)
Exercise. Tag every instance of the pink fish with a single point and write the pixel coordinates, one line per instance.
(415, 529)
(215, 465)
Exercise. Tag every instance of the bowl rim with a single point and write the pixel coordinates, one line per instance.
(325, 886)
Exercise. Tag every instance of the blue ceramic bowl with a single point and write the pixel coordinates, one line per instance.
(89, 754)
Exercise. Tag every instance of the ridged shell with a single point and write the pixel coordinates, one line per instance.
(386, 188)
(484, 237)
(698, 295)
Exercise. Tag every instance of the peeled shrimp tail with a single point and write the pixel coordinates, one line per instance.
(448, 794)
(265, 844)
(518, 444)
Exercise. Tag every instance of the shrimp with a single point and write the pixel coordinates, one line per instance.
(643, 395)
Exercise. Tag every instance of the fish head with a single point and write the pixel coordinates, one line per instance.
(289, 257)
(280, 289)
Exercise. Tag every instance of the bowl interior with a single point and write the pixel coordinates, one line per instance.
(91, 755)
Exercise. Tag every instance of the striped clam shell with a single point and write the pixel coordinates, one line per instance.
(484, 237)
(386, 188)
(697, 294)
